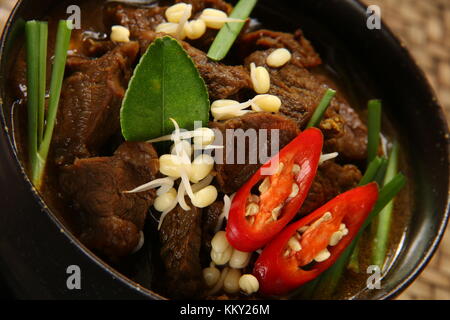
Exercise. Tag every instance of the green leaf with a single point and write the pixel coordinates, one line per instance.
(229, 32)
(165, 84)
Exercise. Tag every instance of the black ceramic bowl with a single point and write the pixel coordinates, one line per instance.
(36, 249)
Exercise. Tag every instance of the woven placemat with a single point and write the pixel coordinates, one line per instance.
(424, 27)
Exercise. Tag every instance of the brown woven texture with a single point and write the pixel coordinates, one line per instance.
(424, 27)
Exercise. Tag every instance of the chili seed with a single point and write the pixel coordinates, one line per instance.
(252, 209)
(322, 255)
(295, 189)
(265, 185)
(294, 244)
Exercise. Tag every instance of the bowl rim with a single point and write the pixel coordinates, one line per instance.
(439, 110)
(148, 293)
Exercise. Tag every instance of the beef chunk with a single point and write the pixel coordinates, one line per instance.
(231, 176)
(210, 219)
(180, 236)
(351, 143)
(300, 92)
(83, 43)
(111, 219)
(136, 19)
(90, 102)
(303, 52)
(222, 81)
(142, 19)
(331, 180)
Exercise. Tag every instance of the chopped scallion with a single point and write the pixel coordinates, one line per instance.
(229, 32)
(371, 171)
(321, 108)
(43, 36)
(385, 216)
(40, 128)
(375, 169)
(33, 46)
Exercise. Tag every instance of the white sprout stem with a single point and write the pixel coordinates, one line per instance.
(164, 214)
(219, 283)
(140, 243)
(211, 147)
(203, 183)
(252, 72)
(233, 107)
(183, 156)
(169, 137)
(187, 184)
(165, 188)
(225, 116)
(225, 212)
(180, 198)
(151, 185)
(255, 105)
(220, 19)
(327, 156)
(184, 18)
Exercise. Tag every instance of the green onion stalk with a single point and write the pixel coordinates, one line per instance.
(321, 108)
(384, 219)
(329, 280)
(230, 31)
(373, 142)
(41, 125)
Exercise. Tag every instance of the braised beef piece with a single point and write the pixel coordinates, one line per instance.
(90, 102)
(331, 180)
(303, 52)
(89, 43)
(141, 19)
(136, 19)
(222, 81)
(352, 142)
(300, 92)
(180, 236)
(210, 219)
(111, 220)
(231, 176)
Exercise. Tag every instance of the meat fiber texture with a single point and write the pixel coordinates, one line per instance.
(111, 219)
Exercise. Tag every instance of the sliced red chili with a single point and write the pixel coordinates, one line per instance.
(280, 267)
(254, 221)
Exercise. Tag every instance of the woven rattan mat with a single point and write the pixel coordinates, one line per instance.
(424, 26)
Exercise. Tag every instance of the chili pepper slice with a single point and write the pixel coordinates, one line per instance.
(286, 264)
(254, 221)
